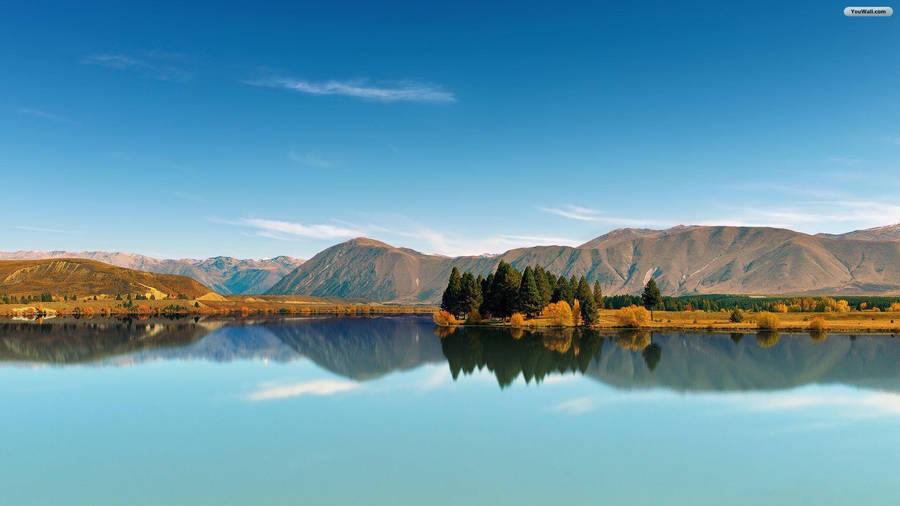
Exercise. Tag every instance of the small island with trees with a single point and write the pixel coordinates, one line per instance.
(536, 298)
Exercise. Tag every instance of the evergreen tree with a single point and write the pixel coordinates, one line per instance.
(651, 296)
(470, 294)
(450, 299)
(540, 277)
(563, 291)
(598, 295)
(551, 280)
(504, 290)
(588, 307)
(485, 308)
(529, 297)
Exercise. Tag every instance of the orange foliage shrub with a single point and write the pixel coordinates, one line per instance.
(768, 321)
(517, 320)
(443, 318)
(633, 316)
(895, 306)
(818, 324)
(780, 307)
(559, 314)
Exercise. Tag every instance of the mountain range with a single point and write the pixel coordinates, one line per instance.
(225, 275)
(684, 260)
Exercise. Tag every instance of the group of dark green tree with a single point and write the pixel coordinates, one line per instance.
(26, 299)
(509, 291)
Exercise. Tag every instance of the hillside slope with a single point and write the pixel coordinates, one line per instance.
(684, 260)
(223, 274)
(76, 276)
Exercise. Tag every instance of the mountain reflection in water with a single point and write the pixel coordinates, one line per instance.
(367, 348)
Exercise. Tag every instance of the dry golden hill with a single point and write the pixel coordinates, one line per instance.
(76, 276)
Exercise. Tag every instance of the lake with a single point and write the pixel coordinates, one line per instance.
(348, 411)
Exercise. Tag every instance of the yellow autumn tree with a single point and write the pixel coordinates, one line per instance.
(558, 313)
(444, 319)
(633, 316)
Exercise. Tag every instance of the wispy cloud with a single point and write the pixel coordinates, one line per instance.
(407, 91)
(47, 230)
(277, 229)
(452, 245)
(310, 160)
(37, 113)
(579, 213)
(315, 387)
(154, 65)
(815, 216)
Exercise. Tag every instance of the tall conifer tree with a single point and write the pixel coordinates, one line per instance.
(651, 296)
(529, 297)
(540, 277)
(598, 295)
(588, 307)
(470, 294)
(450, 301)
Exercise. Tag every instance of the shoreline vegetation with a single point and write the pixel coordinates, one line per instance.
(535, 299)
(141, 306)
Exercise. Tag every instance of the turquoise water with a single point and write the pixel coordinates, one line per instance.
(383, 411)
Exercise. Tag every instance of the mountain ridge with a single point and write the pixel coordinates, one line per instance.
(223, 274)
(684, 260)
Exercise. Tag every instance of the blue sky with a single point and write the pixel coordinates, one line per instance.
(266, 129)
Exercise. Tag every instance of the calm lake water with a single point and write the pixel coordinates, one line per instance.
(383, 411)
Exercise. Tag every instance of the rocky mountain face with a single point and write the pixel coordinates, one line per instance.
(683, 260)
(225, 275)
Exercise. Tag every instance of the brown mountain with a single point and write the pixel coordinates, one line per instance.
(886, 233)
(68, 276)
(684, 260)
(223, 274)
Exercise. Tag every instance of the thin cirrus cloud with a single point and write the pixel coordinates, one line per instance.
(316, 387)
(407, 91)
(37, 113)
(278, 229)
(310, 160)
(585, 214)
(155, 65)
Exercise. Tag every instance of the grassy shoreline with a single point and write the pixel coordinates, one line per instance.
(237, 305)
(852, 322)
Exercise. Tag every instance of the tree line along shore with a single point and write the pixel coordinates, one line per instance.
(535, 297)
